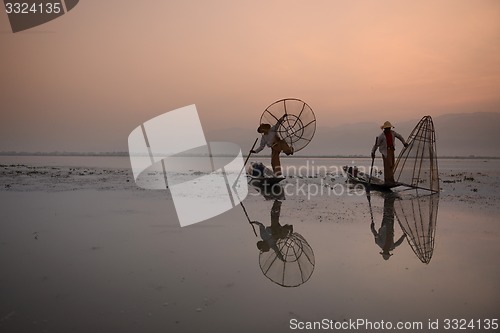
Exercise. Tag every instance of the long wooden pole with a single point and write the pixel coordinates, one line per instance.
(371, 167)
(246, 160)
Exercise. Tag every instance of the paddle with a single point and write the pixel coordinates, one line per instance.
(371, 167)
(368, 195)
(248, 157)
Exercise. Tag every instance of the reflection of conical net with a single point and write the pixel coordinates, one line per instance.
(417, 217)
(417, 165)
(298, 127)
(297, 264)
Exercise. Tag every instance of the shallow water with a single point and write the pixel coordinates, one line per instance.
(84, 260)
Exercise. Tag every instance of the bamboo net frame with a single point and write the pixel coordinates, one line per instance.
(417, 165)
(417, 217)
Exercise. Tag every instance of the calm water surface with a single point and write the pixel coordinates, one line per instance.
(105, 261)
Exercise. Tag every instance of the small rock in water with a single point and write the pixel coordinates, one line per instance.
(199, 309)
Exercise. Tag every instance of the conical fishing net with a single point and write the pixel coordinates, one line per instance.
(296, 265)
(417, 217)
(299, 125)
(417, 165)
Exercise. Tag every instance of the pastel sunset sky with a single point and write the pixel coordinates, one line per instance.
(84, 81)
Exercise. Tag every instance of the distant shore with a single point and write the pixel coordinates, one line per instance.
(126, 154)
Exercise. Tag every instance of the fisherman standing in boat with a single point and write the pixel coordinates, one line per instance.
(385, 143)
(271, 139)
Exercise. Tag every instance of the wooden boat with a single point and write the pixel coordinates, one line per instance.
(261, 175)
(358, 177)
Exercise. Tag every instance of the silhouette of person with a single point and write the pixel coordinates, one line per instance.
(271, 139)
(384, 237)
(270, 235)
(386, 145)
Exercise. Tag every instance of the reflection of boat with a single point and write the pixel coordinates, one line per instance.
(266, 181)
(269, 192)
(417, 216)
(359, 177)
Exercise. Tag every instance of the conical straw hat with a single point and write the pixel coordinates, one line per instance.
(387, 124)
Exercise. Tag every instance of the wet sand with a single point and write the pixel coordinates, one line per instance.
(83, 249)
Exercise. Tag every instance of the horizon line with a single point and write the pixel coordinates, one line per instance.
(126, 154)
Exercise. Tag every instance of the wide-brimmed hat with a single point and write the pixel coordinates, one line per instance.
(387, 124)
(262, 127)
(386, 255)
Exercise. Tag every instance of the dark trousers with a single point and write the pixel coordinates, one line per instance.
(277, 148)
(389, 166)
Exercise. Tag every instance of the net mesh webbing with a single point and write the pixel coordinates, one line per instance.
(298, 128)
(417, 217)
(296, 265)
(416, 165)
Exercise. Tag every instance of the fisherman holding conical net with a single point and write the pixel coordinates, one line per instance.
(271, 139)
(385, 142)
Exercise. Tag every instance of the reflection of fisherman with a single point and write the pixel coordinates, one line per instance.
(385, 143)
(271, 139)
(385, 235)
(270, 235)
